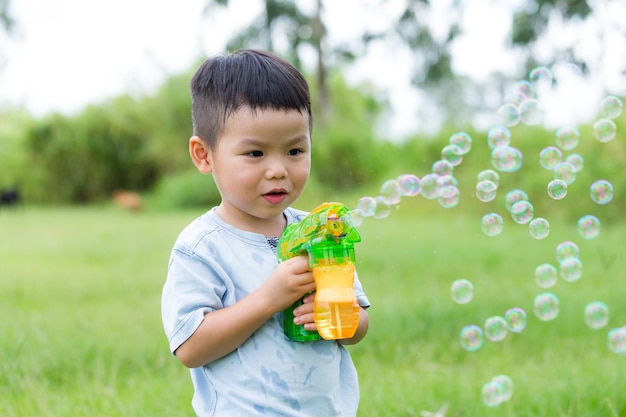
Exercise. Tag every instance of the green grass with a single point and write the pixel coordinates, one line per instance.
(81, 331)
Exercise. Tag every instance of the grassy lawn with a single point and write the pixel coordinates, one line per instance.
(81, 331)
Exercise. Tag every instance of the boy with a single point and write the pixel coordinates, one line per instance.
(225, 292)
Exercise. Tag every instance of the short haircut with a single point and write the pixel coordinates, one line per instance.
(246, 78)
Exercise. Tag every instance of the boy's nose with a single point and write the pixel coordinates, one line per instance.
(276, 169)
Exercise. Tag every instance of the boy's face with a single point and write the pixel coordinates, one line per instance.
(260, 165)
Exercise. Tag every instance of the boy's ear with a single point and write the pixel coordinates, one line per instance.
(199, 153)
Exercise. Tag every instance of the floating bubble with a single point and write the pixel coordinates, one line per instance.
(391, 192)
(531, 112)
(566, 250)
(604, 130)
(546, 306)
(540, 75)
(452, 154)
(557, 189)
(472, 338)
(571, 269)
(566, 172)
(515, 318)
(367, 206)
(522, 212)
(506, 158)
(357, 217)
(462, 291)
(596, 314)
(461, 140)
(524, 88)
(445, 180)
(491, 394)
(442, 167)
(430, 186)
(495, 328)
(506, 384)
(508, 114)
(576, 160)
(486, 190)
(539, 228)
(409, 185)
(449, 196)
(513, 197)
(492, 224)
(601, 192)
(546, 275)
(498, 136)
(589, 226)
(611, 107)
(567, 138)
(617, 340)
(488, 175)
(383, 209)
(550, 157)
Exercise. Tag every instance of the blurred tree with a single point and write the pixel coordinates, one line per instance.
(7, 24)
(430, 41)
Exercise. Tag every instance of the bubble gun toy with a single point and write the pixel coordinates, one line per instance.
(327, 235)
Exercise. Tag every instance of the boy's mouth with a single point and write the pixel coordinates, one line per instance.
(275, 196)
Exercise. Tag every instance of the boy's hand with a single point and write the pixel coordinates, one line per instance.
(304, 313)
(288, 283)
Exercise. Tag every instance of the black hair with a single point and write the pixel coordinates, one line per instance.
(248, 77)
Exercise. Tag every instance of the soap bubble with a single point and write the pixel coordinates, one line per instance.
(601, 192)
(492, 224)
(540, 75)
(550, 157)
(452, 154)
(506, 384)
(488, 175)
(472, 338)
(571, 269)
(617, 340)
(524, 88)
(367, 206)
(391, 192)
(566, 250)
(546, 275)
(445, 180)
(462, 291)
(513, 197)
(357, 217)
(546, 306)
(409, 185)
(498, 136)
(382, 208)
(506, 158)
(596, 314)
(557, 189)
(531, 112)
(576, 160)
(495, 328)
(567, 138)
(515, 318)
(566, 172)
(589, 226)
(449, 196)
(486, 190)
(491, 394)
(604, 130)
(611, 107)
(442, 167)
(522, 212)
(461, 140)
(508, 114)
(539, 228)
(430, 186)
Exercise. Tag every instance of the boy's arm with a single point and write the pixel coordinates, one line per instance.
(224, 330)
(361, 331)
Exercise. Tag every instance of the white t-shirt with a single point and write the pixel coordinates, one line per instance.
(214, 265)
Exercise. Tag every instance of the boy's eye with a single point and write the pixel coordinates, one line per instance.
(255, 154)
(293, 152)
